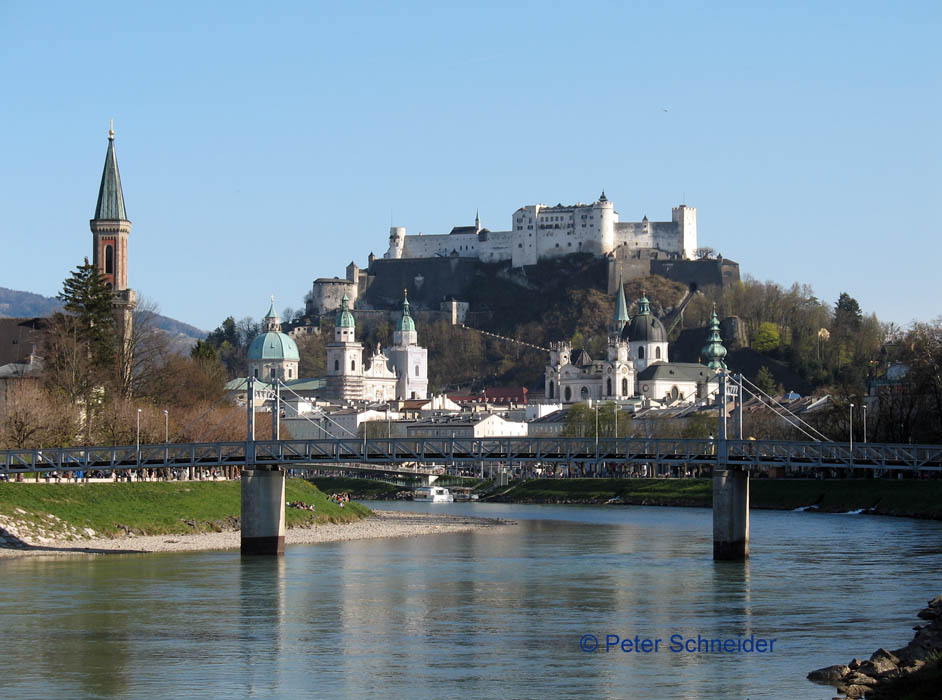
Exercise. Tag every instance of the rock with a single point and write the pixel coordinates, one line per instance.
(876, 667)
(828, 674)
(859, 679)
(854, 665)
(928, 613)
(855, 691)
(913, 665)
(883, 654)
(936, 602)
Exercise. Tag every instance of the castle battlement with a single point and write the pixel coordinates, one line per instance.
(539, 232)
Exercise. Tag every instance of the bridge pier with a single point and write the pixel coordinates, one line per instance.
(730, 514)
(263, 511)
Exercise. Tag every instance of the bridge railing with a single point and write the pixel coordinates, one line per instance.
(423, 455)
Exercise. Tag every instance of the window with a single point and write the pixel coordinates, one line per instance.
(584, 392)
(353, 365)
(608, 386)
(109, 260)
(657, 353)
(552, 390)
(289, 373)
(640, 352)
(624, 387)
(416, 370)
(256, 372)
(336, 365)
(568, 393)
(272, 373)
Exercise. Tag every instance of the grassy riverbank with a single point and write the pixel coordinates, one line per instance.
(918, 499)
(362, 489)
(173, 507)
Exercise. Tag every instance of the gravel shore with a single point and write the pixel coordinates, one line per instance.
(381, 524)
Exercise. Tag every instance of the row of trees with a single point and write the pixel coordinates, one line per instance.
(85, 397)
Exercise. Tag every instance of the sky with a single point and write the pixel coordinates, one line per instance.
(263, 145)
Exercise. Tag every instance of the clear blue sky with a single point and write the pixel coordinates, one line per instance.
(264, 145)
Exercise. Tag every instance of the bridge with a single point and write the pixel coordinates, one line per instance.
(425, 456)
(264, 463)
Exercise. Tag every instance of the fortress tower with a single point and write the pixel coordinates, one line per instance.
(110, 230)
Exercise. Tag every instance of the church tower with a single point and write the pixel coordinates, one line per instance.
(409, 359)
(345, 357)
(110, 230)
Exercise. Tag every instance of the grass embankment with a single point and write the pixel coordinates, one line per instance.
(153, 508)
(909, 498)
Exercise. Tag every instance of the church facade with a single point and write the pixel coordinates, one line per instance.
(635, 365)
(401, 372)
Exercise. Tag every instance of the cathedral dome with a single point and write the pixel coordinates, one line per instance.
(274, 346)
(645, 327)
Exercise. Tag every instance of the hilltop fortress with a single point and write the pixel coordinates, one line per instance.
(437, 269)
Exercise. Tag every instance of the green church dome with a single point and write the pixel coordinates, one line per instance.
(344, 318)
(274, 346)
(406, 323)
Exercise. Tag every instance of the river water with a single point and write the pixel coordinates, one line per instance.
(484, 614)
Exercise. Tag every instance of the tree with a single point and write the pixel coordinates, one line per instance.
(704, 253)
(767, 338)
(765, 380)
(87, 297)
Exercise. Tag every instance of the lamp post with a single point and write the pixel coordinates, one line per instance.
(139, 437)
(850, 430)
(166, 441)
(865, 423)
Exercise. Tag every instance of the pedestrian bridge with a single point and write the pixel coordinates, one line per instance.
(425, 456)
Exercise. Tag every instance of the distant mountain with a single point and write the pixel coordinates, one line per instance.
(15, 304)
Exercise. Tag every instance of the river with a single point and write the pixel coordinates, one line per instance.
(494, 613)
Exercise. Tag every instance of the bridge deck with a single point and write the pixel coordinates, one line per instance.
(423, 455)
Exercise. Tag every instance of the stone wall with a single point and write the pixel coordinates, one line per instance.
(430, 281)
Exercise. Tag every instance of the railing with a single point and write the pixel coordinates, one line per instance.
(423, 455)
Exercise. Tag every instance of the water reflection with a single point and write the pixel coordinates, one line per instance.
(483, 614)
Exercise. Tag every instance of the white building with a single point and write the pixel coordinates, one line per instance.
(467, 426)
(539, 232)
(636, 364)
(402, 373)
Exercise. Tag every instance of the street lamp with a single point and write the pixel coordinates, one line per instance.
(138, 437)
(166, 426)
(850, 430)
(865, 423)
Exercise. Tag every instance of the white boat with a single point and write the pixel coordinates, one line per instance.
(433, 494)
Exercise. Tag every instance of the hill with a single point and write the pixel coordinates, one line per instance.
(17, 304)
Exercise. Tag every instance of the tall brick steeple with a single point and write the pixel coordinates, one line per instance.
(110, 231)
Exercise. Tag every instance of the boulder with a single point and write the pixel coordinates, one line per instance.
(883, 654)
(877, 667)
(936, 602)
(855, 691)
(854, 665)
(828, 674)
(859, 679)
(928, 613)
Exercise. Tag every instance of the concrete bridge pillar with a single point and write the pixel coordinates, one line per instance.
(263, 511)
(730, 514)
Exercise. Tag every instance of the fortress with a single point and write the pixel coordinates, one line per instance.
(437, 268)
(539, 232)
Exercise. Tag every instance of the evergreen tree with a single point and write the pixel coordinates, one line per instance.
(88, 299)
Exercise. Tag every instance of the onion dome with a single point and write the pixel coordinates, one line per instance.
(645, 327)
(406, 323)
(344, 318)
(714, 352)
